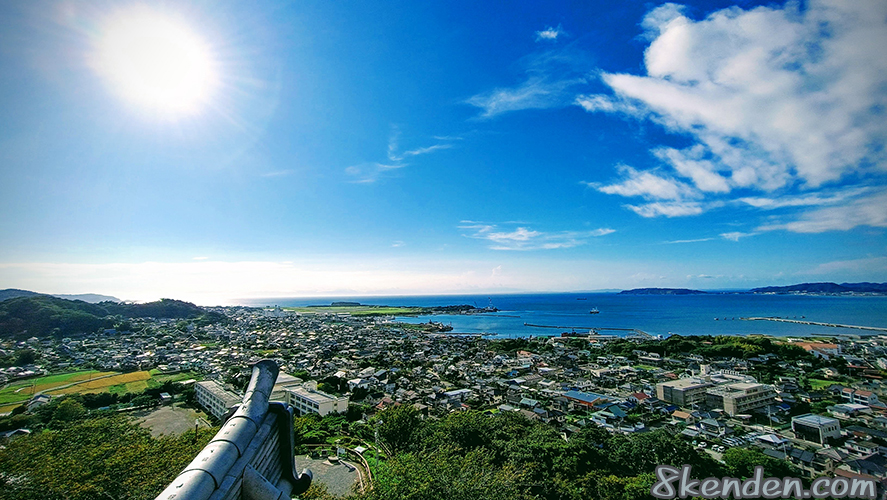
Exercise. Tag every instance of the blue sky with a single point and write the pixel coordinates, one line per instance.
(266, 149)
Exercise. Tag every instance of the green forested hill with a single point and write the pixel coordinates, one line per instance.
(44, 315)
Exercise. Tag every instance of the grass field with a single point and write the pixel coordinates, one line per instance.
(86, 382)
(356, 310)
(103, 384)
(160, 377)
(646, 367)
(817, 384)
(24, 389)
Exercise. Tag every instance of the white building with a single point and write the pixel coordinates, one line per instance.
(307, 399)
(215, 398)
(816, 428)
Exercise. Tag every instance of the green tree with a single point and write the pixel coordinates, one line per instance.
(398, 427)
(449, 474)
(741, 463)
(107, 457)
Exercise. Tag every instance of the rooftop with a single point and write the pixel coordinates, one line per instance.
(814, 420)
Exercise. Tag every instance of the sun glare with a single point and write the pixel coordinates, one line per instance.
(156, 62)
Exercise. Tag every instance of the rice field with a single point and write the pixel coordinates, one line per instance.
(90, 381)
(24, 389)
(136, 380)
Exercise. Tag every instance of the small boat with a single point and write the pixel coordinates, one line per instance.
(594, 311)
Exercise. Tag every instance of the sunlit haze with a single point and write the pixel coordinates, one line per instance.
(155, 61)
(211, 152)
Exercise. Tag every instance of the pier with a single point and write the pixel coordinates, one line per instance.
(816, 323)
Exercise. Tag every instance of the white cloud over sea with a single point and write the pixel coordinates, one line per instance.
(785, 101)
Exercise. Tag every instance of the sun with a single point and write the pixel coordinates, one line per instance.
(155, 61)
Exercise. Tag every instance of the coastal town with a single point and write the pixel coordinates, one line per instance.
(821, 410)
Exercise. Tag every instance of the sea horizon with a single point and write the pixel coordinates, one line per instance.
(657, 315)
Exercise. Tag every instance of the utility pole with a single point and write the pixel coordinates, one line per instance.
(378, 423)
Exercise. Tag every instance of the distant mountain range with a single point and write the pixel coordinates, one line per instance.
(826, 288)
(92, 298)
(803, 288)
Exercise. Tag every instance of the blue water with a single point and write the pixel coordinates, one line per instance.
(654, 314)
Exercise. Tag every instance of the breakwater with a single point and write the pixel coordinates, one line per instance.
(816, 323)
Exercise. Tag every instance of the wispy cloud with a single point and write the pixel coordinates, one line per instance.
(536, 92)
(277, 173)
(776, 99)
(550, 34)
(367, 173)
(522, 238)
(370, 172)
(865, 266)
(868, 211)
(550, 79)
(736, 235)
(806, 200)
(421, 151)
(697, 240)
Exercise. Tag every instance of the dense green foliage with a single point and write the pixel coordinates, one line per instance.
(44, 315)
(104, 457)
(477, 455)
(726, 346)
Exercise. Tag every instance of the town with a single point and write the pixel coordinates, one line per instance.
(813, 403)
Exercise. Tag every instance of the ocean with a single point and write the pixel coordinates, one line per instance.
(708, 314)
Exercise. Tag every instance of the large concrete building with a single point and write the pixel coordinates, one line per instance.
(212, 396)
(307, 399)
(816, 428)
(683, 392)
(740, 398)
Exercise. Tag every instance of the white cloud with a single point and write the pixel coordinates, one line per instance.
(550, 34)
(667, 209)
(697, 240)
(868, 211)
(522, 238)
(774, 98)
(549, 80)
(646, 184)
(817, 199)
(607, 104)
(735, 235)
(425, 150)
(369, 172)
(690, 163)
(537, 92)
